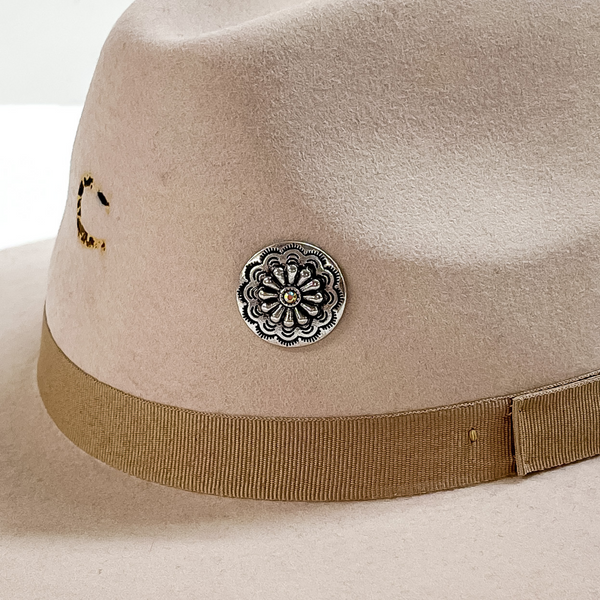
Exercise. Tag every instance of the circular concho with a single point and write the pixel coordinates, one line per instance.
(291, 294)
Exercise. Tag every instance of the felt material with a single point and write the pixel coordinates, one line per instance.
(71, 527)
(444, 153)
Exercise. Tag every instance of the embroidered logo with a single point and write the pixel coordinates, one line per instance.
(86, 239)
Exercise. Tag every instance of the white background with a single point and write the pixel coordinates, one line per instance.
(48, 51)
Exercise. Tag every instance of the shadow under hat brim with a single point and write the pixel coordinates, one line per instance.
(72, 527)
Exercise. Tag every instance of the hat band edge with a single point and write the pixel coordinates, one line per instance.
(364, 457)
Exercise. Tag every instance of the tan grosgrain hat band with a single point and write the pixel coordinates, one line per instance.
(322, 458)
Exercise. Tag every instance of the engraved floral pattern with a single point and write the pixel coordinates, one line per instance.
(291, 294)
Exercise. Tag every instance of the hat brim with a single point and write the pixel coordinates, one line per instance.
(72, 527)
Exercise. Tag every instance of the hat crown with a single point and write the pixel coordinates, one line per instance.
(453, 179)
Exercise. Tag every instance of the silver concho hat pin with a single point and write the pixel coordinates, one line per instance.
(291, 294)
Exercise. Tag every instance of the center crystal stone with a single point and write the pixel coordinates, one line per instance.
(290, 296)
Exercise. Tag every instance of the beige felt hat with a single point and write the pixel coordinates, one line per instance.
(329, 272)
